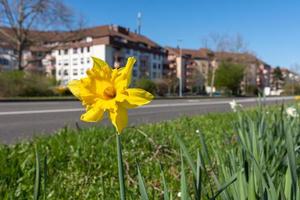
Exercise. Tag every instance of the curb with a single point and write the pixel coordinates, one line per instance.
(35, 99)
(47, 99)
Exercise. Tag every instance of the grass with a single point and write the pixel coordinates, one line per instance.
(82, 164)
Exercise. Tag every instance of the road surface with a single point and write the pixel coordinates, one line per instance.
(23, 120)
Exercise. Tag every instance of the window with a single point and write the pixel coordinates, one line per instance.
(143, 45)
(66, 51)
(134, 72)
(4, 61)
(87, 60)
(88, 49)
(75, 61)
(82, 60)
(75, 72)
(66, 73)
(158, 75)
(158, 66)
(89, 39)
(82, 49)
(82, 71)
(153, 74)
(75, 51)
(154, 66)
(59, 72)
(59, 52)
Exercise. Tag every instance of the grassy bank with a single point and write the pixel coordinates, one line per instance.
(81, 164)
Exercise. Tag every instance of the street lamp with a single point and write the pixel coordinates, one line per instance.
(292, 76)
(180, 69)
(212, 63)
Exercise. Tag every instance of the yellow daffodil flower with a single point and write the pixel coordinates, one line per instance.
(106, 89)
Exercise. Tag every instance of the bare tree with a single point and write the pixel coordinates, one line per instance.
(220, 45)
(225, 43)
(22, 16)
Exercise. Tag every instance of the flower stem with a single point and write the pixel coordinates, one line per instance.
(120, 168)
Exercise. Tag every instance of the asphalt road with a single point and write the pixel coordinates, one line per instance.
(23, 120)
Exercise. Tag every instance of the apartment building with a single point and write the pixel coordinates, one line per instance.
(114, 44)
(257, 73)
(67, 55)
(192, 64)
(197, 64)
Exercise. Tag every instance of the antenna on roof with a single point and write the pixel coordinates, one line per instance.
(139, 22)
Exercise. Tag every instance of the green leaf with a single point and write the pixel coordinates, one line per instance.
(204, 149)
(288, 183)
(187, 155)
(224, 186)
(251, 187)
(292, 161)
(142, 187)
(166, 190)
(37, 181)
(45, 177)
(183, 182)
(198, 178)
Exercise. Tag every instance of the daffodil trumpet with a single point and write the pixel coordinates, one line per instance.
(106, 89)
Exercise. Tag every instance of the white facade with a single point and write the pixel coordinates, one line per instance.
(71, 64)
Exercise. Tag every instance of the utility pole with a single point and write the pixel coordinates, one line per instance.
(180, 69)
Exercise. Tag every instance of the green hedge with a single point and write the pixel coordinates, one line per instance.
(21, 84)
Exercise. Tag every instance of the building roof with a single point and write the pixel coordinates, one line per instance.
(201, 53)
(120, 35)
(245, 57)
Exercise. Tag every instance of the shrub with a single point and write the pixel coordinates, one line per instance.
(18, 83)
(291, 89)
(161, 87)
(251, 90)
(147, 85)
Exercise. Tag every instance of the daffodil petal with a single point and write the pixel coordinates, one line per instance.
(100, 69)
(123, 78)
(136, 97)
(110, 105)
(119, 118)
(94, 113)
(78, 89)
(115, 73)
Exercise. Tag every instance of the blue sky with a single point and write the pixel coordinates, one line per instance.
(271, 28)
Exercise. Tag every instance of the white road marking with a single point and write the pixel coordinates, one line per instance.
(41, 111)
(188, 103)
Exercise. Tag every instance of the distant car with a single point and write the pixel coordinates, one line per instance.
(217, 94)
